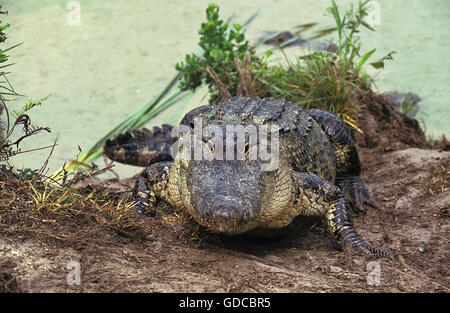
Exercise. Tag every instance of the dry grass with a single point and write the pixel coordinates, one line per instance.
(439, 180)
(26, 205)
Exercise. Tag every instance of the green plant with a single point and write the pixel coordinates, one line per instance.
(5, 87)
(328, 80)
(19, 174)
(348, 42)
(323, 79)
(8, 147)
(314, 81)
(226, 56)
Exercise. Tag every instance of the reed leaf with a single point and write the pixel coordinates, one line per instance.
(364, 59)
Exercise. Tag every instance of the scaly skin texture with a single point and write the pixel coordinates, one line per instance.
(317, 172)
(141, 147)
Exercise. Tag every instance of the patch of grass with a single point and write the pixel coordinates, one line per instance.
(30, 206)
(322, 80)
(328, 80)
(315, 82)
(409, 105)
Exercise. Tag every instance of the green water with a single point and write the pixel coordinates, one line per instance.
(124, 52)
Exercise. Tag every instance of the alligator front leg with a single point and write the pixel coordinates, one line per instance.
(151, 187)
(348, 167)
(315, 197)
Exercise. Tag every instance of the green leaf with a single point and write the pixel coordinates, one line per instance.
(380, 63)
(377, 64)
(306, 26)
(12, 47)
(237, 27)
(364, 59)
(367, 26)
(335, 12)
(323, 32)
(29, 105)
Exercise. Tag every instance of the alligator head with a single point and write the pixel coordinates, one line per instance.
(229, 190)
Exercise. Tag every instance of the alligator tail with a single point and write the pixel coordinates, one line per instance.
(141, 147)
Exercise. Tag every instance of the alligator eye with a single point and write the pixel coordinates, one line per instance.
(245, 149)
(210, 145)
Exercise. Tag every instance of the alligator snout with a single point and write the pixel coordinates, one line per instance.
(225, 217)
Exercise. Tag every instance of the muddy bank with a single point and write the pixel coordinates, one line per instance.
(169, 254)
(413, 223)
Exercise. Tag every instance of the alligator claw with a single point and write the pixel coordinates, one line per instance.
(357, 193)
(341, 228)
(364, 248)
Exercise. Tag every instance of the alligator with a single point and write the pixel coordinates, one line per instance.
(317, 170)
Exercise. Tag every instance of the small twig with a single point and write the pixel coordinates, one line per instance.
(31, 150)
(245, 76)
(241, 88)
(223, 90)
(248, 69)
(41, 171)
(287, 59)
(27, 134)
(109, 167)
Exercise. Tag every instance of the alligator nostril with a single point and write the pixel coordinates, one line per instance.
(225, 217)
(227, 212)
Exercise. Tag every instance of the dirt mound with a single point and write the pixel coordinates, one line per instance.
(385, 128)
(171, 254)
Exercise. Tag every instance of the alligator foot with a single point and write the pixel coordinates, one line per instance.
(341, 227)
(348, 165)
(144, 197)
(324, 199)
(356, 192)
(151, 187)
